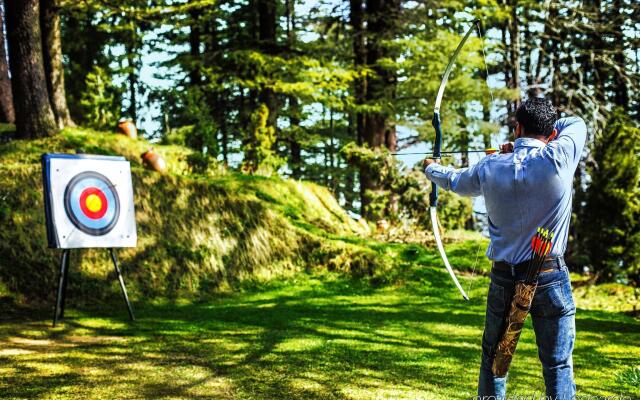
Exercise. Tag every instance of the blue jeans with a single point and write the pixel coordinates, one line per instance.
(553, 316)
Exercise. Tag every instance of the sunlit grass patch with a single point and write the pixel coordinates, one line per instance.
(311, 336)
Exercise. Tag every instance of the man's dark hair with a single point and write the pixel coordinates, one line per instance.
(537, 116)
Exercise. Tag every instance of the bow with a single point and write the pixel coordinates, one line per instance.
(437, 145)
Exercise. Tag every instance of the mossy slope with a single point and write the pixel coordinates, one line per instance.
(196, 233)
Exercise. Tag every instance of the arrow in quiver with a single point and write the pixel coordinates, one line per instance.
(521, 303)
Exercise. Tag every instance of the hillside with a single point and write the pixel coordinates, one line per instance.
(198, 233)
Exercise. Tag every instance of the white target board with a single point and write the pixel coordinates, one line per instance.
(88, 201)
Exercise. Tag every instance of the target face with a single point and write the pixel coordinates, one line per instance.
(88, 201)
(91, 202)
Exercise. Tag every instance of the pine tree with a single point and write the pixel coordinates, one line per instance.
(610, 226)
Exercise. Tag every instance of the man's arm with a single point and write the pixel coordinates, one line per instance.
(572, 135)
(463, 181)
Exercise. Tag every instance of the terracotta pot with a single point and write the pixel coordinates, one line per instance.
(128, 128)
(153, 160)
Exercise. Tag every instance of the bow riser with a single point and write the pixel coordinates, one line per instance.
(437, 146)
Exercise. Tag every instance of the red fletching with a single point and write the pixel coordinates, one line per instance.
(539, 242)
(535, 243)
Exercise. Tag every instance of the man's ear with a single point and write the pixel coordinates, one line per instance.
(553, 135)
(518, 132)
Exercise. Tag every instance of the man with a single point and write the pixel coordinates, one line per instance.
(526, 186)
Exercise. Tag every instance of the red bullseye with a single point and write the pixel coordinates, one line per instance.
(93, 203)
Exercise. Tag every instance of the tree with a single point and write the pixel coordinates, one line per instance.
(260, 157)
(295, 148)
(356, 16)
(7, 113)
(267, 23)
(194, 48)
(83, 44)
(34, 116)
(378, 125)
(610, 225)
(101, 100)
(52, 57)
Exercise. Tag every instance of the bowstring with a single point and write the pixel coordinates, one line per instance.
(484, 59)
(475, 264)
(486, 81)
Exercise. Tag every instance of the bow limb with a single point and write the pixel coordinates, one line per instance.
(437, 146)
(436, 234)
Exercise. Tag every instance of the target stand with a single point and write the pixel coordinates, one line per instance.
(88, 204)
(64, 277)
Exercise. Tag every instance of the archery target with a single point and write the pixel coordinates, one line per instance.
(91, 202)
(88, 201)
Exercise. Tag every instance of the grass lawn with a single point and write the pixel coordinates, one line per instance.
(318, 335)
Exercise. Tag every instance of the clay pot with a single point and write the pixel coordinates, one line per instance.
(154, 161)
(382, 226)
(127, 128)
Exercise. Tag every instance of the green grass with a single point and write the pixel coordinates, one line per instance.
(313, 335)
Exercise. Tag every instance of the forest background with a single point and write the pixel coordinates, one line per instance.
(326, 91)
(286, 252)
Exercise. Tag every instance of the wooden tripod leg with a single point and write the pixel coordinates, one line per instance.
(61, 284)
(64, 284)
(122, 287)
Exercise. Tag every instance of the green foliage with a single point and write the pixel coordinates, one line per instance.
(629, 377)
(7, 132)
(189, 121)
(404, 194)
(198, 162)
(177, 136)
(84, 40)
(100, 101)
(611, 228)
(218, 70)
(259, 155)
(202, 134)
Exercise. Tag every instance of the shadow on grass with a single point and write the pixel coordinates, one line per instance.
(314, 338)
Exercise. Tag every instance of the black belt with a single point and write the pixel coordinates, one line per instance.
(550, 264)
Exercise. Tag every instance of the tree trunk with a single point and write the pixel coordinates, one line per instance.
(217, 98)
(267, 44)
(356, 17)
(133, 83)
(514, 61)
(600, 69)
(132, 48)
(7, 113)
(294, 107)
(34, 117)
(621, 97)
(52, 57)
(295, 147)
(557, 93)
(382, 21)
(194, 48)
